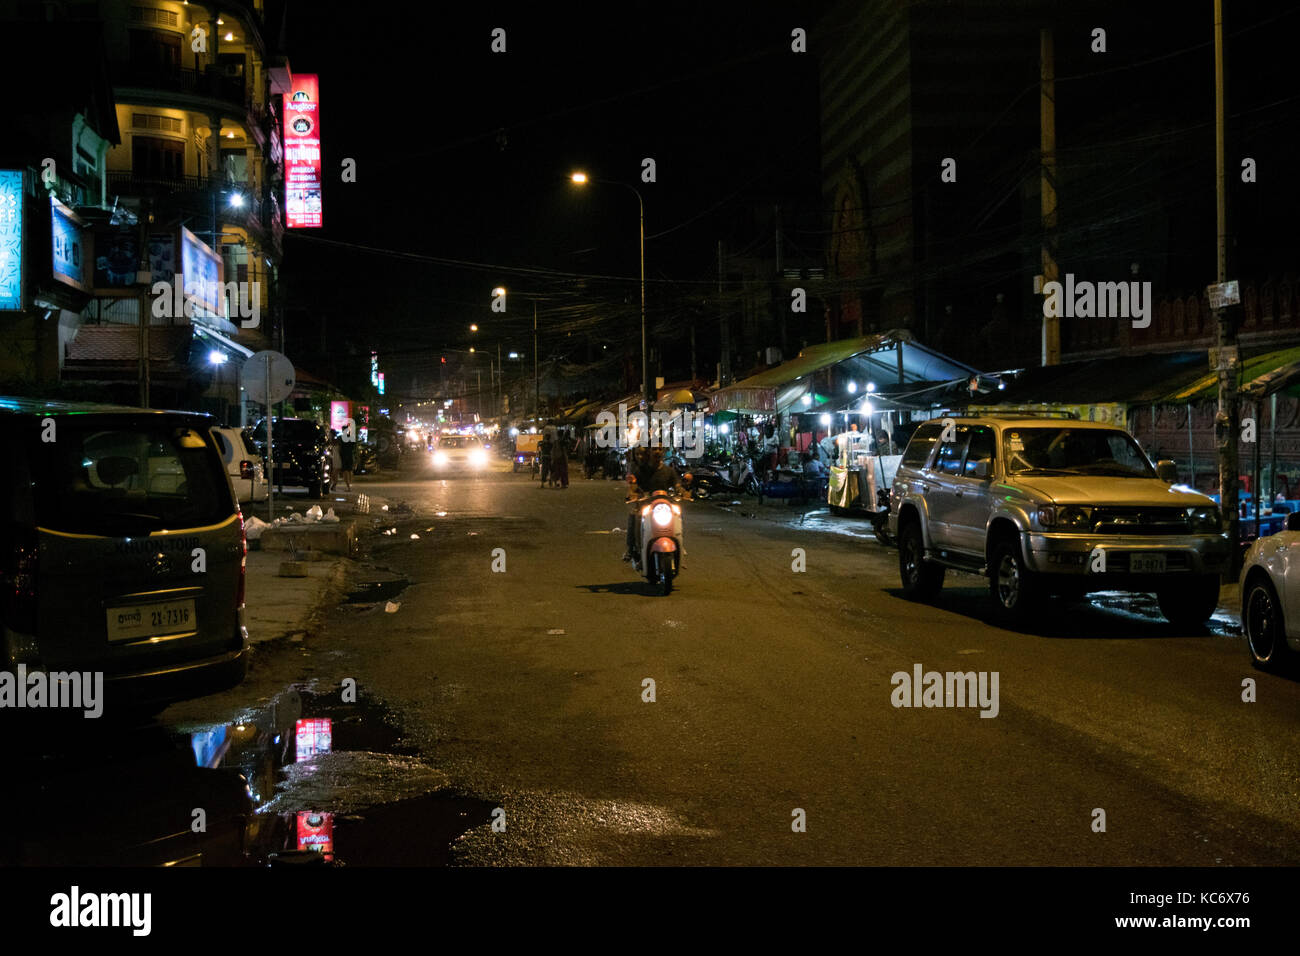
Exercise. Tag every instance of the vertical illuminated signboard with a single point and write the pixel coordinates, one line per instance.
(302, 169)
(68, 249)
(11, 239)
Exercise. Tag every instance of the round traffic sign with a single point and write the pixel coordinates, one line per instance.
(253, 376)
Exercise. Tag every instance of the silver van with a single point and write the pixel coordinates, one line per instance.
(122, 552)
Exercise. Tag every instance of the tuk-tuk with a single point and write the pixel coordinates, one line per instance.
(526, 448)
(860, 479)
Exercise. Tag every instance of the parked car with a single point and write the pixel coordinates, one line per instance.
(1049, 506)
(302, 454)
(243, 464)
(1270, 597)
(122, 551)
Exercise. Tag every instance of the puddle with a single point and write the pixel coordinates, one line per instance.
(350, 791)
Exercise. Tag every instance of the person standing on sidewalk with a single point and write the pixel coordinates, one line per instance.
(544, 458)
(347, 451)
(560, 461)
(336, 457)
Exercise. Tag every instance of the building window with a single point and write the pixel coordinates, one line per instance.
(154, 158)
(154, 53)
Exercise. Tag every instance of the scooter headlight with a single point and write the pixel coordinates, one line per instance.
(663, 515)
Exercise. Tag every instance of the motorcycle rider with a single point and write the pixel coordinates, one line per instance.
(648, 473)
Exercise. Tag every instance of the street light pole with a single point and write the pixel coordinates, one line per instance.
(582, 179)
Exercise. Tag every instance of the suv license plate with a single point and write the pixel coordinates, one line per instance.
(1146, 564)
(151, 620)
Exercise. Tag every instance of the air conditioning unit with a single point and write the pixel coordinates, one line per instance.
(772, 356)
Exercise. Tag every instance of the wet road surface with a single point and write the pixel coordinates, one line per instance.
(502, 716)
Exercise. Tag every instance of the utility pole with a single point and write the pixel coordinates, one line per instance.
(1047, 167)
(537, 387)
(1225, 422)
(145, 311)
(724, 374)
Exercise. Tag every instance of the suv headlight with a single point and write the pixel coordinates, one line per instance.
(1065, 517)
(1206, 519)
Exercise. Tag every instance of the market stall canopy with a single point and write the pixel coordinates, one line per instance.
(682, 397)
(577, 412)
(1261, 374)
(1170, 378)
(887, 357)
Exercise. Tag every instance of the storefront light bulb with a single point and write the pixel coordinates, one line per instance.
(871, 386)
(807, 400)
(853, 387)
(826, 419)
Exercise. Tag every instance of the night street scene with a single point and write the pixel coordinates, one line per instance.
(857, 434)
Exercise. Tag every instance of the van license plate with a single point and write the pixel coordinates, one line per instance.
(151, 620)
(1146, 564)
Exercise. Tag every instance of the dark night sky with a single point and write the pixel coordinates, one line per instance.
(714, 96)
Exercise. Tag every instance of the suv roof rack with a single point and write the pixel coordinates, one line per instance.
(1038, 413)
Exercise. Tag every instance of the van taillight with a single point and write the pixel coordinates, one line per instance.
(19, 580)
(243, 562)
(246, 469)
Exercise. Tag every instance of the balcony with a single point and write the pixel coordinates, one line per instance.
(190, 85)
(195, 195)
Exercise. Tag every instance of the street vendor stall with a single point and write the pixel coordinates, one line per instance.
(860, 479)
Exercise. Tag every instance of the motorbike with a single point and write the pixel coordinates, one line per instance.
(660, 555)
(712, 479)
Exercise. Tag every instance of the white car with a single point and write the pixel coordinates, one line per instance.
(459, 453)
(1270, 597)
(243, 464)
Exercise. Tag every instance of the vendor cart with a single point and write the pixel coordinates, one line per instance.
(860, 479)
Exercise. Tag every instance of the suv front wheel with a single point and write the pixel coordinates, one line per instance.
(1014, 588)
(922, 580)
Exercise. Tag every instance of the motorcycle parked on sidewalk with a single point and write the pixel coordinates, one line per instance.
(711, 479)
(659, 558)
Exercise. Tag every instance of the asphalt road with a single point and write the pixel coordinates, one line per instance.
(773, 694)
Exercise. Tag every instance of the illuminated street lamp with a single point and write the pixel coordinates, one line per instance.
(581, 179)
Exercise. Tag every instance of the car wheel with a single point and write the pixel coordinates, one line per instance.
(1263, 625)
(1014, 588)
(922, 580)
(1191, 604)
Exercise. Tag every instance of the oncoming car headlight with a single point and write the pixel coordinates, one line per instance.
(662, 514)
(478, 457)
(1205, 519)
(440, 458)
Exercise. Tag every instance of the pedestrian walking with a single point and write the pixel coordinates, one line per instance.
(347, 459)
(544, 458)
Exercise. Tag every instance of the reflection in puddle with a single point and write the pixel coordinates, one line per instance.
(304, 779)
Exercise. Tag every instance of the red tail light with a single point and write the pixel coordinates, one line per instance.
(246, 469)
(243, 562)
(19, 580)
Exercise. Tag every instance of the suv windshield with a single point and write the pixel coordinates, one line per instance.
(457, 441)
(123, 479)
(1074, 451)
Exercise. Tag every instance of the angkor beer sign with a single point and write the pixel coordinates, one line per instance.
(302, 165)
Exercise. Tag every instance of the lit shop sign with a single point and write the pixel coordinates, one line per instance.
(203, 271)
(340, 412)
(316, 832)
(68, 249)
(11, 239)
(381, 383)
(313, 735)
(302, 169)
(374, 368)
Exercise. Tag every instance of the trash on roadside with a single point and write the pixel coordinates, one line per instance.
(392, 606)
(253, 527)
(383, 507)
(330, 516)
(736, 502)
(415, 537)
(556, 630)
(314, 513)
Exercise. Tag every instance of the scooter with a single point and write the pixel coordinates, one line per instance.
(738, 478)
(660, 555)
